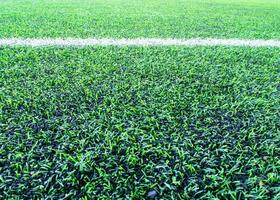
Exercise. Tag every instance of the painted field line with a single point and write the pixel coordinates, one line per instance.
(40, 42)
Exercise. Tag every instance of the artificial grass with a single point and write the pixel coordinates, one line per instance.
(132, 19)
(135, 123)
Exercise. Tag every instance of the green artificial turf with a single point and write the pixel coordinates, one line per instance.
(146, 18)
(133, 122)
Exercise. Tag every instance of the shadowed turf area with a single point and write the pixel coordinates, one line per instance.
(132, 19)
(123, 122)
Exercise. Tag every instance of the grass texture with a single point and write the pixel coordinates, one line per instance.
(134, 123)
(132, 19)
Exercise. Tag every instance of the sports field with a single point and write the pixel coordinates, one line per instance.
(141, 121)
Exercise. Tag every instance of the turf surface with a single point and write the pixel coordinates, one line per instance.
(138, 122)
(132, 19)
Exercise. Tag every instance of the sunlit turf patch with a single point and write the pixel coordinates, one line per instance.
(137, 122)
(146, 18)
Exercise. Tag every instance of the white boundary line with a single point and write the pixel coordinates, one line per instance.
(79, 42)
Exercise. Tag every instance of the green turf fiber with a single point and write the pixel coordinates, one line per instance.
(123, 122)
(140, 18)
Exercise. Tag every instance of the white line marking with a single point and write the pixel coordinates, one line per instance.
(41, 42)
